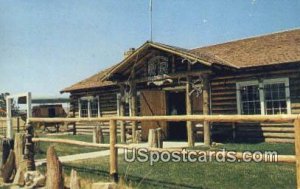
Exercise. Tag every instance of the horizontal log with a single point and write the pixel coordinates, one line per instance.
(265, 129)
(73, 142)
(279, 140)
(209, 118)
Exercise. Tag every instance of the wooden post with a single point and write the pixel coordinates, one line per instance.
(74, 128)
(122, 113)
(189, 124)
(55, 178)
(29, 148)
(159, 138)
(95, 135)
(19, 145)
(206, 125)
(74, 124)
(233, 131)
(113, 151)
(133, 110)
(297, 150)
(100, 133)
(152, 138)
(18, 124)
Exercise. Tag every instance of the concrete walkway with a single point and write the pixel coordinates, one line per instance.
(82, 156)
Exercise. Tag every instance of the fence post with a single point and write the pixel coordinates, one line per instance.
(29, 148)
(297, 150)
(113, 150)
(18, 124)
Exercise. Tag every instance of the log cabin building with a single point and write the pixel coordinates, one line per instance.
(258, 75)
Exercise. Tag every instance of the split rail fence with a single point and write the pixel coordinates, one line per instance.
(114, 146)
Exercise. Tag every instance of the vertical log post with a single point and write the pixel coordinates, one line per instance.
(74, 124)
(297, 150)
(233, 131)
(113, 158)
(189, 124)
(18, 124)
(29, 148)
(133, 110)
(159, 138)
(19, 145)
(74, 128)
(206, 125)
(122, 113)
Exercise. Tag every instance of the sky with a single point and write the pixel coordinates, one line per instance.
(46, 45)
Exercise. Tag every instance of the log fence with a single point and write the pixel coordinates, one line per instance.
(114, 146)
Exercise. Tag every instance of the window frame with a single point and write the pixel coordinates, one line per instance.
(287, 90)
(88, 99)
(262, 93)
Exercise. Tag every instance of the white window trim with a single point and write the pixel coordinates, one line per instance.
(261, 92)
(89, 98)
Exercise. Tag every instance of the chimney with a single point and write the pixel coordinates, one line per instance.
(129, 52)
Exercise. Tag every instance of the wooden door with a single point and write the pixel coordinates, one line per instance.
(153, 103)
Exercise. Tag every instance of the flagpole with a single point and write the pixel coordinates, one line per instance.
(150, 8)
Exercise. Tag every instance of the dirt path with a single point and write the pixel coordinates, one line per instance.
(90, 155)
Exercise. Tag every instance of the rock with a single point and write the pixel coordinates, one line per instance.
(19, 177)
(74, 181)
(55, 178)
(104, 185)
(8, 168)
(34, 179)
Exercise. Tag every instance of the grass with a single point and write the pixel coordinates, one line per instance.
(197, 175)
(66, 149)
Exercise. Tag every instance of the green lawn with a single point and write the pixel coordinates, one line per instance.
(198, 175)
(66, 149)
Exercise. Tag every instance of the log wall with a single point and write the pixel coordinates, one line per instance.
(224, 101)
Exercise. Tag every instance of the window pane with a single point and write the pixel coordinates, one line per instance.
(275, 98)
(84, 108)
(250, 103)
(94, 107)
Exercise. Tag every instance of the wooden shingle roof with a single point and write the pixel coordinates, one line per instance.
(276, 48)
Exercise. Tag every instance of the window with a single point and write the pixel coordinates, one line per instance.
(267, 97)
(83, 108)
(89, 107)
(250, 102)
(94, 107)
(275, 96)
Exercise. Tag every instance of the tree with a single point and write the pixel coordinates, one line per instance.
(14, 107)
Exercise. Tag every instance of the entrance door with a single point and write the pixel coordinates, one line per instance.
(153, 103)
(177, 106)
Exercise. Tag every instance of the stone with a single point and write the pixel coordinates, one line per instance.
(104, 185)
(74, 181)
(34, 179)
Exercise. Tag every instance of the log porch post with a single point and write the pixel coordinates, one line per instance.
(113, 158)
(133, 111)
(122, 113)
(189, 124)
(206, 111)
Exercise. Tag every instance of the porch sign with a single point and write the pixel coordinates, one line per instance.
(158, 67)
